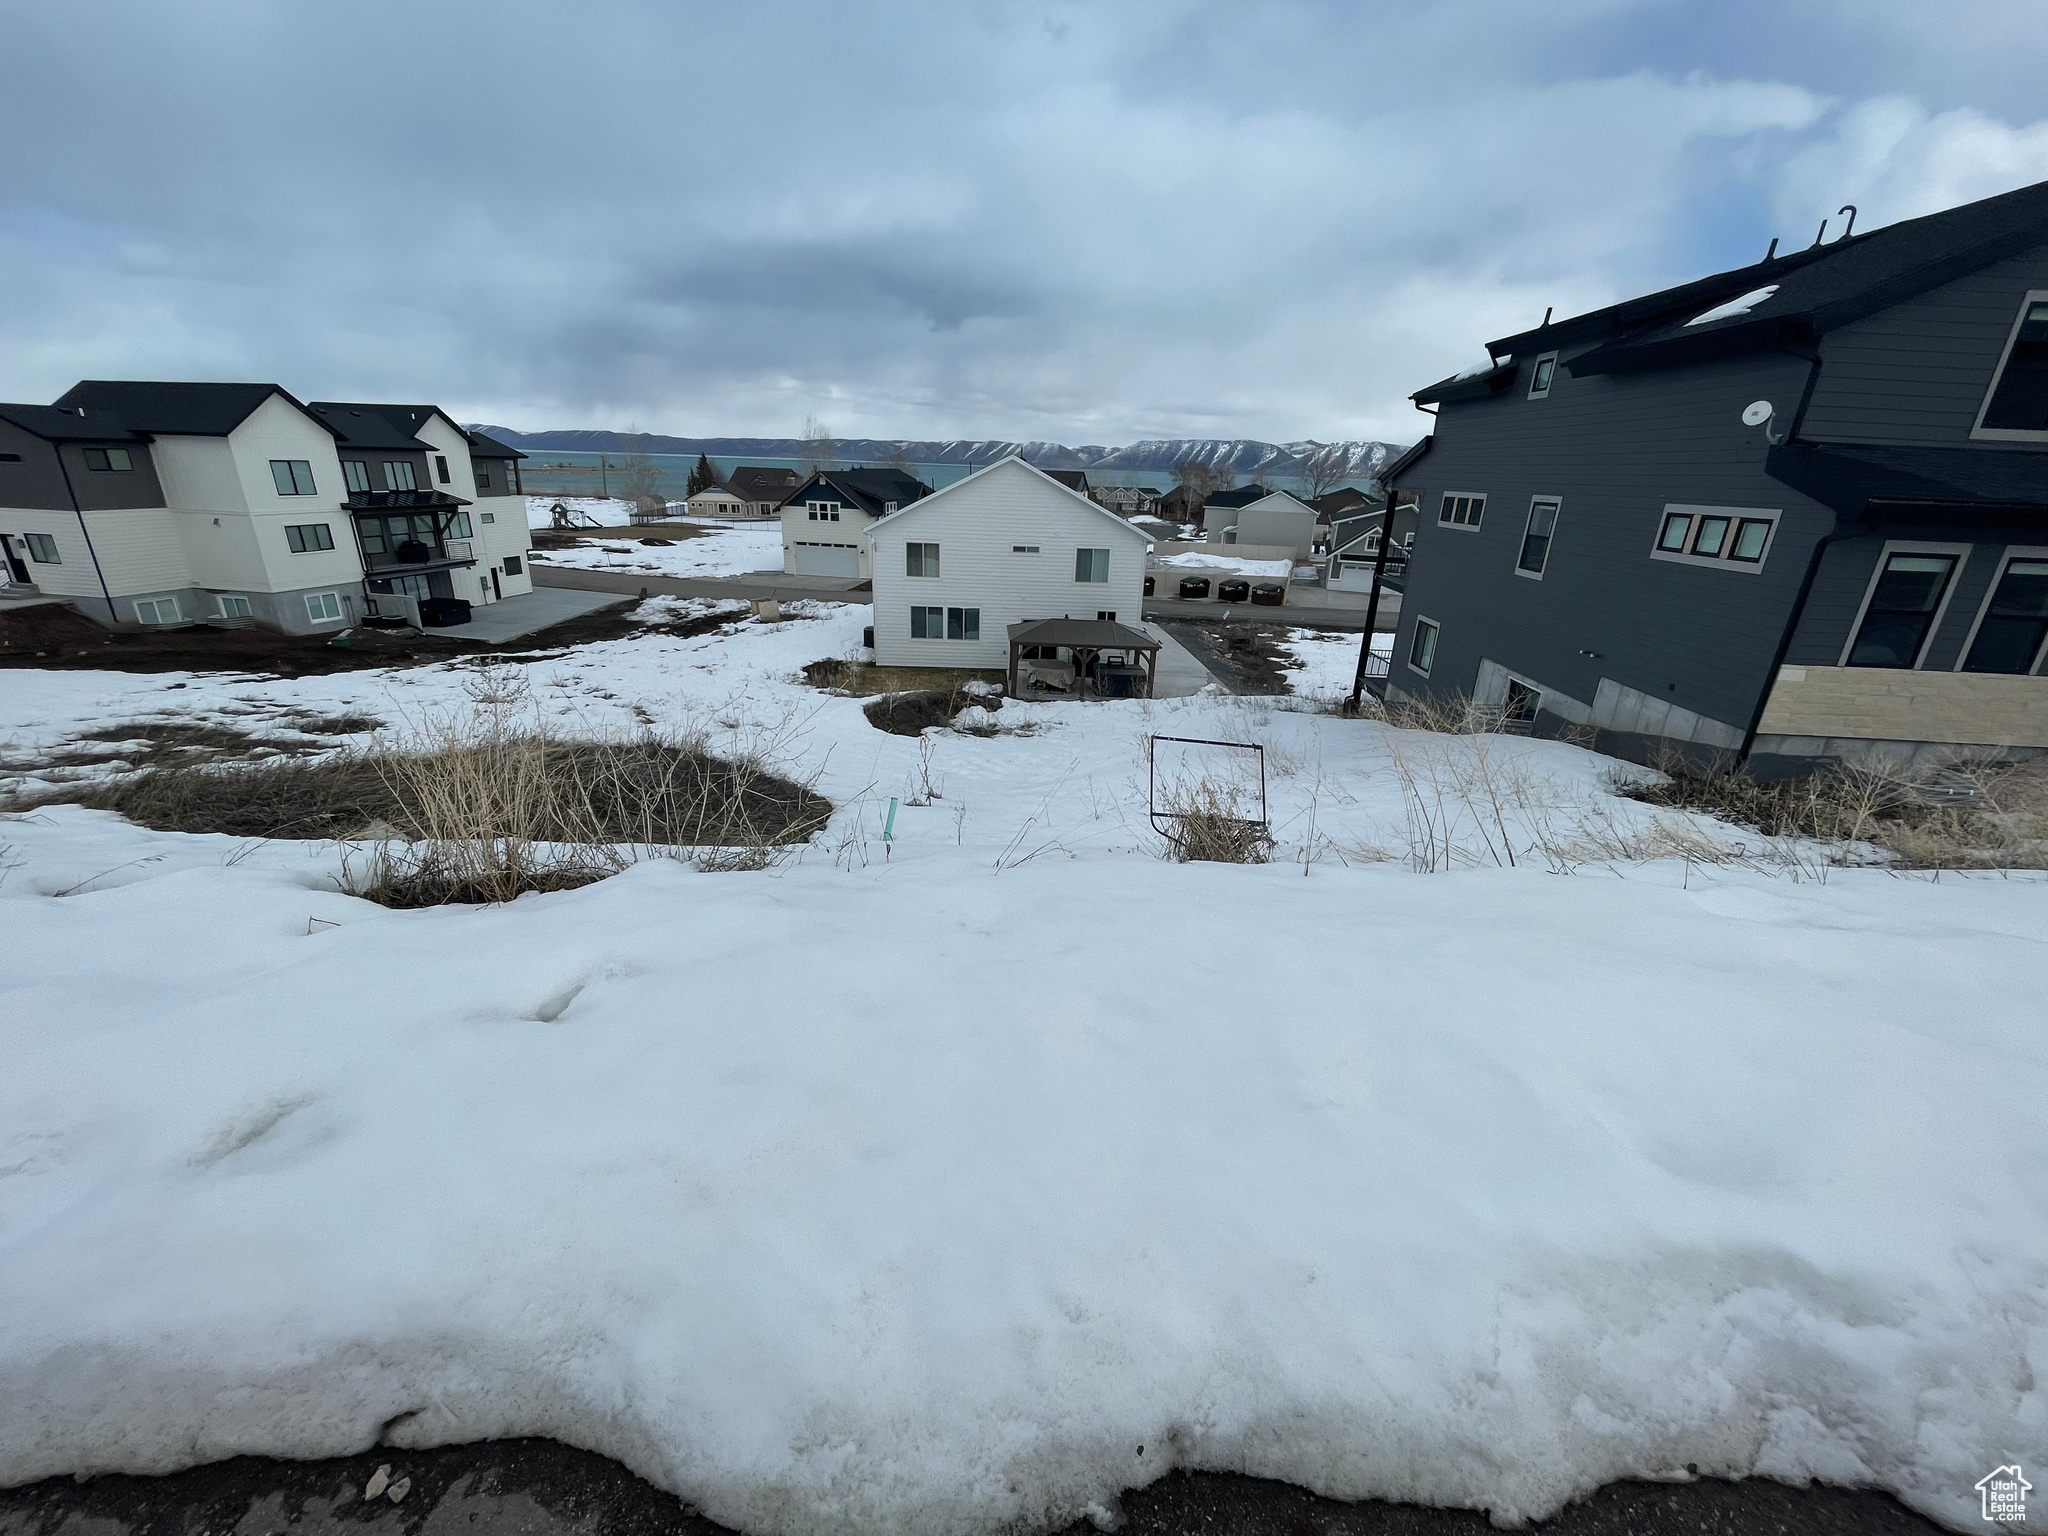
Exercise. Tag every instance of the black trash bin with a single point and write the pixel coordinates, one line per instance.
(441, 612)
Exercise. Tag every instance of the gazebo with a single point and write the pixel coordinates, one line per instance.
(1086, 640)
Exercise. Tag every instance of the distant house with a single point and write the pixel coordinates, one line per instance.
(1007, 546)
(825, 519)
(1276, 518)
(1075, 480)
(1127, 500)
(749, 491)
(1355, 547)
(1220, 508)
(1789, 513)
(1333, 506)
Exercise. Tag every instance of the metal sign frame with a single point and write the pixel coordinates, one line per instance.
(1163, 821)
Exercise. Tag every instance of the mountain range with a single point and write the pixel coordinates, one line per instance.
(1243, 456)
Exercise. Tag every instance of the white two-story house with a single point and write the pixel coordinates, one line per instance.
(1006, 545)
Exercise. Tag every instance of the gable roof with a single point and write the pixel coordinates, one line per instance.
(1287, 495)
(754, 482)
(361, 425)
(869, 489)
(1072, 479)
(988, 469)
(53, 425)
(1787, 298)
(484, 446)
(176, 408)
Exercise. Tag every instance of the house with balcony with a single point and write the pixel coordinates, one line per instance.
(825, 520)
(148, 502)
(1792, 513)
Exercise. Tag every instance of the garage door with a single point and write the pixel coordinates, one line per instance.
(1354, 575)
(826, 559)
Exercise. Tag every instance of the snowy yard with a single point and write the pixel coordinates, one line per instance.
(722, 549)
(963, 1181)
(605, 511)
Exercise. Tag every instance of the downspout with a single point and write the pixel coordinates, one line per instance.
(79, 512)
(1763, 700)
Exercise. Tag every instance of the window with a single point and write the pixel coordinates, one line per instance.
(1091, 565)
(458, 526)
(43, 549)
(927, 623)
(1023, 549)
(963, 623)
(1519, 705)
(1901, 610)
(489, 517)
(398, 475)
(157, 610)
(481, 469)
(1536, 538)
(822, 511)
(294, 477)
(323, 607)
(234, 607)
(1539, 379)
(441, 467)
(512, 565)
(2015, 621)
(10, 458)
(888, 506)
(108, 458)
(1726, 537)
(2017, 404)
(1422, 646)
(357, 473)
(1106, 616)
(304, 538)
(1461, 509)
(920, 559)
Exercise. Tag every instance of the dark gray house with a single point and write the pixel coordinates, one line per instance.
(1792, 513)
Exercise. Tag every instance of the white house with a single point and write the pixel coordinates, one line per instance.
(1006, 545)
(825, 520)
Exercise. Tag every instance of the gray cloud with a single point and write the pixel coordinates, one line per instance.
(1049, 220)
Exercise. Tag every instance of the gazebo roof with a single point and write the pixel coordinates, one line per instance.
(1087, 634)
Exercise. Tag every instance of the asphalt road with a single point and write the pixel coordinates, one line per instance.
(540, 1488)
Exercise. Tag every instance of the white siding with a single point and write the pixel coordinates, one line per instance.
(977, 524)
(797, 527)
(139, 550)
(72, 575)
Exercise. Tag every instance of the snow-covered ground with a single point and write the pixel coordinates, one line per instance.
(961, 1182)
(1200, 564)
(728, 549)
(1328, 660)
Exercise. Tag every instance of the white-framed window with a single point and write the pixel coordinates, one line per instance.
(1091, 565)
(108, 458)
(888, 506)
(1538, 536)
(307, 538)
(458, 526)
(822, 511)
(1105, 615)
(489, 517)
(157, 610)
(292, 477)
(1461, 509)
(1023, 549)
(963, 623)
(441, 467)
(2011, 631)
(2015, 407)
(356, 473)
(323, 607)
(1725, 538)
(921, 560)
(398, 475)
(513, 565)
(43, 549)
(480, 471)
(1541, 375)
(233, 607)
(927, 623)
(1422, 645)
(1903, 606)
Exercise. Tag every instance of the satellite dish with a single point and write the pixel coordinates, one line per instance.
(1757, 412)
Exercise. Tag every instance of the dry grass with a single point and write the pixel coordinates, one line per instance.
(1954, 815)
(1212, 824)
(863, 680)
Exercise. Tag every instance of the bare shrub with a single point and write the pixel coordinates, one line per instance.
(1213, 823)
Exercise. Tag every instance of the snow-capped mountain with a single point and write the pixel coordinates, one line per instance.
(1242, 456)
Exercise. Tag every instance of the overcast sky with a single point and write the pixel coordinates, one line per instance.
(1087, 221)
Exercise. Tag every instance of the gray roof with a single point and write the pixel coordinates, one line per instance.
(484, 446)
(73, 426)
(753, 482)
(1089, 634)
(176, 408)
(1242, 496)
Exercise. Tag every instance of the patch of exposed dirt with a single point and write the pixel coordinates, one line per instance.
(1245, 651)
(914, 712)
